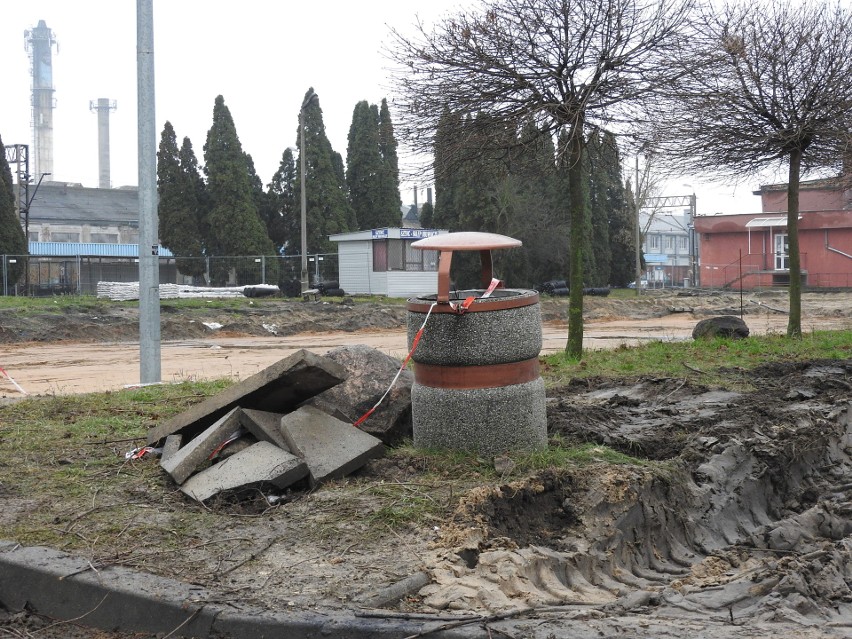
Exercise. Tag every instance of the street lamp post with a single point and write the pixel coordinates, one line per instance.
(26, 211)
(29, 200)
(638, 233)
(308, 100)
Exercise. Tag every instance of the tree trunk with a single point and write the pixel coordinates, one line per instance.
(577, 214)
(794, 323)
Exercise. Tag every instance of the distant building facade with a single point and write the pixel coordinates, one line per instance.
(752, 251)
(667, 247)
(62, 212)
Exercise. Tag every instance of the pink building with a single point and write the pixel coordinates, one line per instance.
(754, 249)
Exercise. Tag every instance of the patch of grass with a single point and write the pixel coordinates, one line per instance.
(622, 293)
(709, 361)
(470, 467)
(403, 503)
(561, 456)
(66, 454)
(56, 304)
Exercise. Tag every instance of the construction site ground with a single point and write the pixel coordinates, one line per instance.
(42, 352)
(735, 522)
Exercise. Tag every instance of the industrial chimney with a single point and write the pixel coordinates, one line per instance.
(39, 44)
(103, 106)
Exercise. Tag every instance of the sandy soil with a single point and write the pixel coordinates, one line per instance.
(240, 344)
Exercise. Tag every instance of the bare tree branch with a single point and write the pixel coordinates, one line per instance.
(762, 86)
(567, 66)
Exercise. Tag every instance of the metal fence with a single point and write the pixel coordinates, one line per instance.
(34, 275)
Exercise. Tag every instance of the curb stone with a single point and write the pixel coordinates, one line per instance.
(116, 598)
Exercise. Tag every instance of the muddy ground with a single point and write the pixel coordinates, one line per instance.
(736, 521)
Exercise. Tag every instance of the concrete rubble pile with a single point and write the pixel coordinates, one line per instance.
(274, 428)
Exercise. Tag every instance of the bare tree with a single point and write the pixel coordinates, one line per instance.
(566, 65)
(764, 86)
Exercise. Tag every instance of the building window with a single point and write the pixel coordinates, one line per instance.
(105, 238)
(33, 236)
(398, 255)
(683, 243)
(653, 242)
(669, 243)
(64, 237)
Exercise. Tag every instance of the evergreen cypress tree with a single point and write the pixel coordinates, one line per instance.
(283, 219)
(446, 177)
(264, 202)
(364, 167)
(473, 193)
(390, 202)
(622, 244)
(328, 211)
(177, 210)
(12, 238)
(541, 222)
(427, 212)
(235, 226)
(196, 190)
(597, 254)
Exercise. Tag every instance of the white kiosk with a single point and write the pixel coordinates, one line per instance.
(382, 262)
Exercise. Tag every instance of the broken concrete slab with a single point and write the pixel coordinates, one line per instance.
(264, 425)
(182, 463)
(369, 374)
(261, 462)
(331, 448)
(171, 446)
(330, 409)
(278, 388)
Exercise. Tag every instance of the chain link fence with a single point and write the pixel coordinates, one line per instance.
(79, 274)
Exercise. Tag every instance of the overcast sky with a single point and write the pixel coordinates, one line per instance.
(261, 56)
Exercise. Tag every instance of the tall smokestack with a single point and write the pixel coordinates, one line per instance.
(39, 43)
(103, 107)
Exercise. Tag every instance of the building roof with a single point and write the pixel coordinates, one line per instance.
(838, 181)
(63, 203)
(89, 249)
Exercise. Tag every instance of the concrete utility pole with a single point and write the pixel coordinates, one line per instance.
(638, 234)
(149, 263)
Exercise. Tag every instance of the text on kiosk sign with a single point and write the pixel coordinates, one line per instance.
(405, 234)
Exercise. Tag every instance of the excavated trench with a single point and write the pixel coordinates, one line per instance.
(742, 511)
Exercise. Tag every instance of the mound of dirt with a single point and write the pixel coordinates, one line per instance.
(748, 518)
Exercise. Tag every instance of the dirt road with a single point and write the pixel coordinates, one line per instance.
(62, 368)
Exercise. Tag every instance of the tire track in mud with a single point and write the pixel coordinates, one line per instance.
(749, 516)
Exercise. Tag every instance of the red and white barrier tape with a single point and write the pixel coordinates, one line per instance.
(459, 308)
(16, 385)
(414, 344)
(468, 302)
